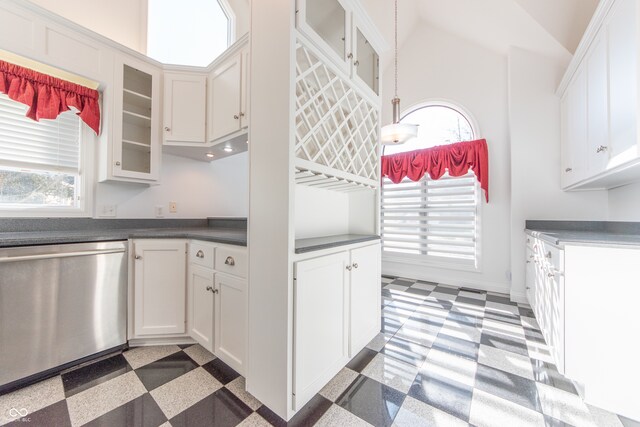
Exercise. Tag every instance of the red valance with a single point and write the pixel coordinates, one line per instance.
(456, 158)
(48, 96)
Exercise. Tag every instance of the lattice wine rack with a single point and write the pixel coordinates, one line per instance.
(335, 126)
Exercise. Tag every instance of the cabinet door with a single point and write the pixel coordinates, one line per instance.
(366, 61)
(200, 305)
(530, 273)
(224, 98)
(364, 315)
(159, 282)
(598, 107)
(576, 130)
(327, 24)
(231, 321)
(136, 152)
(623, 81)
(185, 98)
(320, 341)
(244, 89)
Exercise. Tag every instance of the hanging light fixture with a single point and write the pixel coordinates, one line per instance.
(396, 132)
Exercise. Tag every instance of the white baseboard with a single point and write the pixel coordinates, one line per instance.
(141, 342)
(446, 279)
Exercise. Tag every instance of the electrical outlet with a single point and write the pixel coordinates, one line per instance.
(173, 207)
(108, 211)
(159, 211)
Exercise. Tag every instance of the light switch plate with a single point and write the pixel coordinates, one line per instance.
(108, 211)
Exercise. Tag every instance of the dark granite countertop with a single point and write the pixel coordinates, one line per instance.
(29, 233)
(327, 242)
(560, 233)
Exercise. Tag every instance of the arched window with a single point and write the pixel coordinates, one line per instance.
(435, 222)
(188, 33)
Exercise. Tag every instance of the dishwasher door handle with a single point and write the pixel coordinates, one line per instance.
(61, 255)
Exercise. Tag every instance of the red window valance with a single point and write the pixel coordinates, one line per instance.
(48, 96)
(455, 158)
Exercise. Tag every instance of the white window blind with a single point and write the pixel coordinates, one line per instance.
(432, 220)
(48, 145)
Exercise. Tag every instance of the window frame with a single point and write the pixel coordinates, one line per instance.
(86, 186)
(231, 28)
(426, 261)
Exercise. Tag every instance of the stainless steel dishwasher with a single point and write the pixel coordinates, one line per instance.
(59, 304)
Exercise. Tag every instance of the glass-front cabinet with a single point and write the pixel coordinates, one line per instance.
(136, 139)
(335, 28)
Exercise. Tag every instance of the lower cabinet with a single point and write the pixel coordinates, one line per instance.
(231, 321)
(159, 287)
(336, 313)
(200, 305)
(207, 301)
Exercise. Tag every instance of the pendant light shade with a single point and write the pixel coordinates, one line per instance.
(396, 132)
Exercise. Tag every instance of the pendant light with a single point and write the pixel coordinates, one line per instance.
(396, 132)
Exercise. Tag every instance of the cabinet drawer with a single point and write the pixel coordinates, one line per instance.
(232, 261)
(552, 257)
(201, 254)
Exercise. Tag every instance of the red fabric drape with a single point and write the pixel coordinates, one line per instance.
(456, 158)
(47, 96)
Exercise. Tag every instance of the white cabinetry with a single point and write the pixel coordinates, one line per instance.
(134, 153)
(228, 97)
(601, 103)
(336, 313)
(159, 291)
(320, 323)
(545, 290)
(185, 98)
(334, 27)
(217, 301)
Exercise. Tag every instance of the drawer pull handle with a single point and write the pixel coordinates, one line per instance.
(230, 261)
(200, 254)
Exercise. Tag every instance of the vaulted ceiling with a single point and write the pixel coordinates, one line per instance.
(550, 27)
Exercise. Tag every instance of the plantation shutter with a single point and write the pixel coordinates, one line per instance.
(47, 145)
(431, 220)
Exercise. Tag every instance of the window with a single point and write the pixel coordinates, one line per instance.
(188, 33)
(433, 221)
(40, 162)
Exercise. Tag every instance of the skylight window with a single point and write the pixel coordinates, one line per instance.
(192, 32)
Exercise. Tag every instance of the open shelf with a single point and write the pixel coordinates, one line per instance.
(136, 119)
(329, 182)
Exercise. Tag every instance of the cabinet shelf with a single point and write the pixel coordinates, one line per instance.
(136, 119)
(137, 145)
(330, 181)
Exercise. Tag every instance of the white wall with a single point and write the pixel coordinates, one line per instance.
(534, 122)
(624, 203)
(201, 190)
(124, 21)
(436, 64)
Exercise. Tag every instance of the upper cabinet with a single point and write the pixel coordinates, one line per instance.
(601, 103)
(185, 99)
(228, 88)
(133, 151)
(335, 27)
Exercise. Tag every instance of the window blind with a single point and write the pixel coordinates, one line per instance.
(48, 145)
(431, 220)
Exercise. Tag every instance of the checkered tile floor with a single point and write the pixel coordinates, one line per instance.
(445, 357)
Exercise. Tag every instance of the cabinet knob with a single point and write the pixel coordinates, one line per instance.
(548, 255)
(235, 116)
(117, 163)
(601, 148)
(167, 128)
(138, 257)
(550, 275)
(241, 114)
(528, 287)
(215, 291)
(528, 262)
(230, 261)
(349, 267)
(210, 288)
(568, 170)
(200, 254)
(356, 62)
(350, 55)
(355, 265)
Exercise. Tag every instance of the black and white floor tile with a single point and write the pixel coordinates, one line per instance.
(445, 357)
